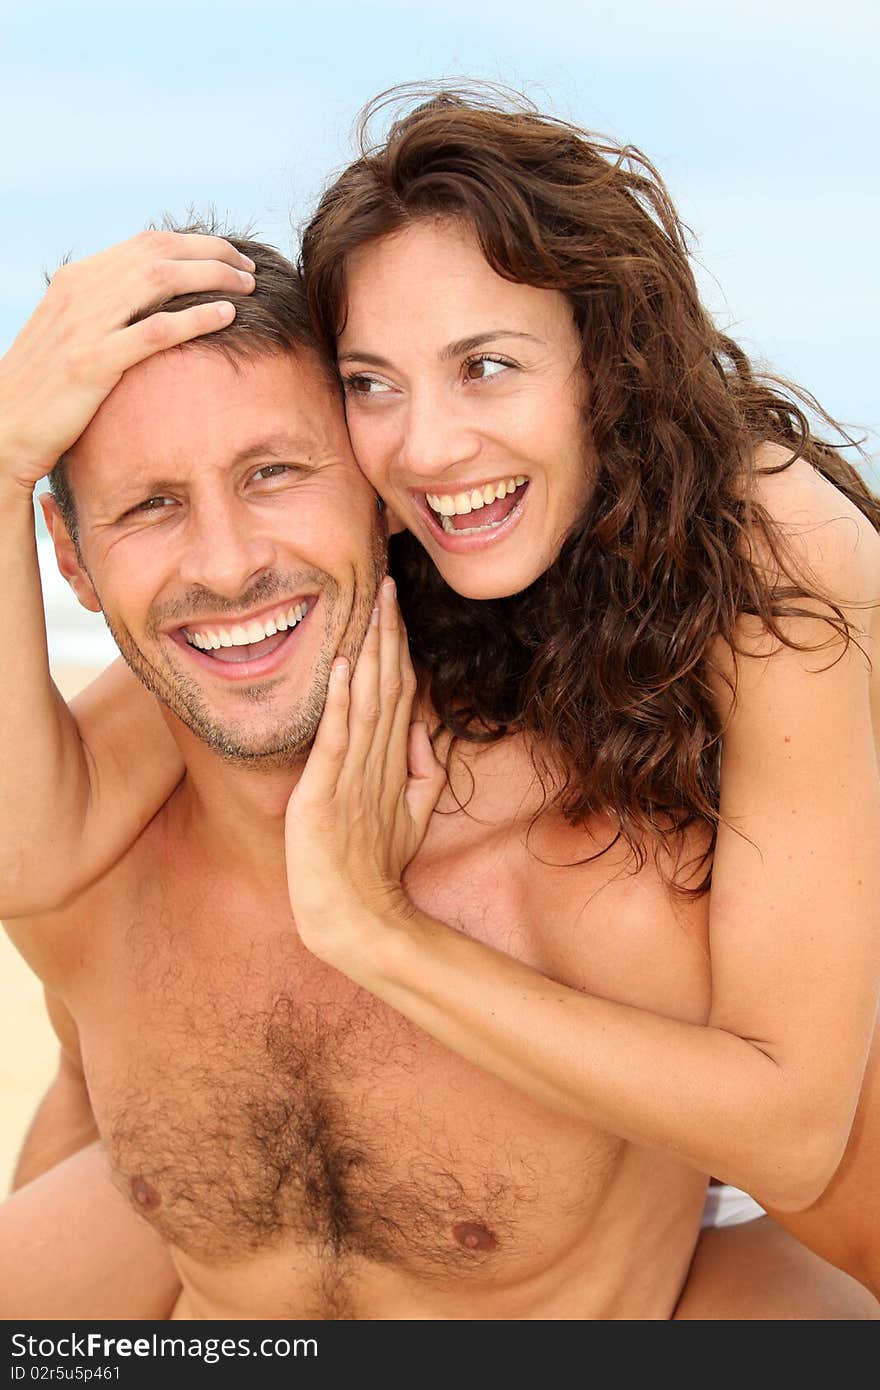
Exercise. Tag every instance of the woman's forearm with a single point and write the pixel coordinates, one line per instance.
(73, 795)
(70, 805)
(44, 778)
(715, 1100)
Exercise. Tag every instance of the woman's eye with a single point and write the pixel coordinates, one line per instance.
(365, 386)
(480, 368)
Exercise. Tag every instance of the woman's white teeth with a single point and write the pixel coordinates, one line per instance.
(246, 634)
(460, 503)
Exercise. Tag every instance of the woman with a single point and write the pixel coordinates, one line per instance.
(670, 569)
(614, 390)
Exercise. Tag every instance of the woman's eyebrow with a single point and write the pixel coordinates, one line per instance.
(459, 348)
(369, 357)
(462, 346)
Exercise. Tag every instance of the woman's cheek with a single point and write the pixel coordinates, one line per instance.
(369, 449)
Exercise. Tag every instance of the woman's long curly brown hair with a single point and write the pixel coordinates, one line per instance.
(604, 659)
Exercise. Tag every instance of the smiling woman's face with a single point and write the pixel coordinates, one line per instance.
(466, 401)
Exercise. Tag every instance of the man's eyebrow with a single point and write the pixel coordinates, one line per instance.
(290, 446)
(296, 448)
(459, 348)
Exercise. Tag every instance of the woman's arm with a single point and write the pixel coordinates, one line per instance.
(75, 786)
(134, 765)
(61, 818)
(763, 1097)
(844, 1225)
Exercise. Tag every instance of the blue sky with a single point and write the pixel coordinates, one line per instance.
(764, 118)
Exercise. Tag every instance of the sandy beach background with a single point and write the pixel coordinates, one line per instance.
(28, 1054)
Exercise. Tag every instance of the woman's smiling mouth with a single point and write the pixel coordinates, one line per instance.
(479, 512)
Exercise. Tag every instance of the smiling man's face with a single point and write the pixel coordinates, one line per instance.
(230, 539)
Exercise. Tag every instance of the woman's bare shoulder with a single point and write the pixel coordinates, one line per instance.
(831, 542)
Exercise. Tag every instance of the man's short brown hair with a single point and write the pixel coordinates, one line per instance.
(272, 319)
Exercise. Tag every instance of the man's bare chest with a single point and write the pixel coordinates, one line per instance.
(250, 1095)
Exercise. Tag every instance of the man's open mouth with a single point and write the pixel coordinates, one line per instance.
(481, 508)
(260, 636)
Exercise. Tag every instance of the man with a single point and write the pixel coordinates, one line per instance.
(300, 1148)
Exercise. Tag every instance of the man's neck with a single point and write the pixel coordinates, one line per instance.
(234, 809)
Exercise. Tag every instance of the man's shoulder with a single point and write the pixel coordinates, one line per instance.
(596, 872)
(567, 877)
(612, 922)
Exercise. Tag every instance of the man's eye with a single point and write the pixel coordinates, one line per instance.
(359, 385)
(272, 470)
(154, 504)
(480, 368)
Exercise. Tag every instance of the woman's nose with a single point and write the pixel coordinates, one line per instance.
(438, 437)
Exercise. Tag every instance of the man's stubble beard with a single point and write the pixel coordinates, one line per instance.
(288, 745)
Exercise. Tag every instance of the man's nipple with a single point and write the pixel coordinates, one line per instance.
(473, 1236)
(145, 1194)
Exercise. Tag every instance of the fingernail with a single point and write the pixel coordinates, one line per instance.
(246, 260)
(246, 279)
(340, 668)
(374, 618)
(388, 585)
(225, 310)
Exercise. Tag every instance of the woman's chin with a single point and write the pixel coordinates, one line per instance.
(479, 578)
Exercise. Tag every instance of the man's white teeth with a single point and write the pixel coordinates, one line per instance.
(246, 634)
(460, 503)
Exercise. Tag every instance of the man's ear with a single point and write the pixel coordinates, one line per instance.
(66, 556)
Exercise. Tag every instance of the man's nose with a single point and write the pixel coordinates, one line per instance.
(227, 547)
(438, 435)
